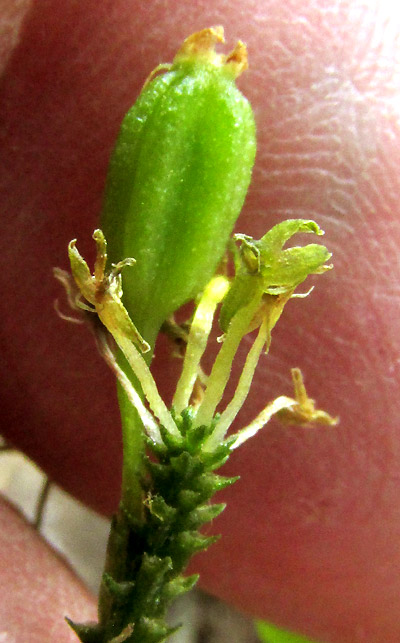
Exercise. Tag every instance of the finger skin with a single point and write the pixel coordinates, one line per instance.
(310, 535)
(38, 589)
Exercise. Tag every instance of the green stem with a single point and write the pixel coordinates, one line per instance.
(223, 364)
(241, 392)
(197, 342)
(133, 457)
(145, 560)
(133, 437)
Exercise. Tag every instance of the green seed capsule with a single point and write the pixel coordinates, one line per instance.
(178, 179)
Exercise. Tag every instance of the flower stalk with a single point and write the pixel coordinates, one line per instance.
(177, 180)
(148, 552)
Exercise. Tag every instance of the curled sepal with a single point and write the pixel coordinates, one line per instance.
(298, 410)
(205, 513)
(283, 270)
(160, 509)
(263, 267)
(120, 591)
(126, 634)
(103, 291)
(153, 630)
(303, 411)
(178, 586)
(200, 48)
(184, 545)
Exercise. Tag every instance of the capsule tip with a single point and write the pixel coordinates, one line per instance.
(201, 44)
(237, 60)
(200, 47)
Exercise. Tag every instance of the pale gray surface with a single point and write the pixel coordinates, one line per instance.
(208, 620)
(81, 535)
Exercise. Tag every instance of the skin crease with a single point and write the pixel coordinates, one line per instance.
(310, 536)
